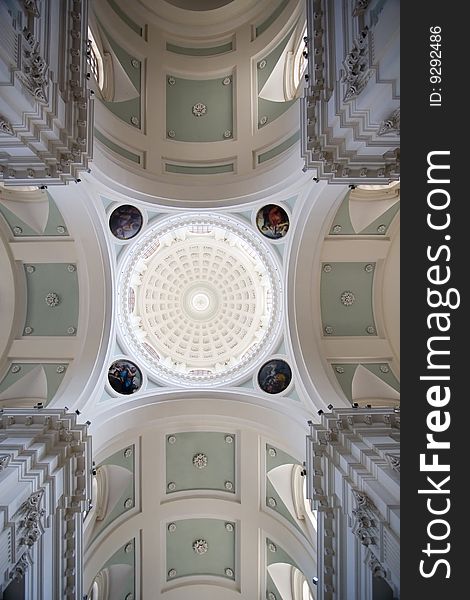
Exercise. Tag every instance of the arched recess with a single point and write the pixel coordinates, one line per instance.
(110, 582)
(290, 485)
(284, 82)
(290, 582)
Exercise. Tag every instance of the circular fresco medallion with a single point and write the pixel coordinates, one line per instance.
(274, 376)
(125, 222)
(124, 377)
(272, 221)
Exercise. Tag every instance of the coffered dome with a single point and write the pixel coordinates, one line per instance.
(199, 299)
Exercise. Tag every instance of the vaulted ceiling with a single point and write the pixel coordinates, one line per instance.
(183, 104)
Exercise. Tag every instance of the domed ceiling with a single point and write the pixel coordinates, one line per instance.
(199, 299)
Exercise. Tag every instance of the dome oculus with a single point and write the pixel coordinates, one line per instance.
(199, 299)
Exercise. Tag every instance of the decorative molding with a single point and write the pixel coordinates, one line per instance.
(356, 66)
(376, 567)
(347, 298)
(52, 299)
(200, 546)
(391, 125)
(31, 521)
(360, 7)
(394, 460)
(199, 109)
(19, 570)
(5, 126)
(365, 525)
(4, 461)
(200, 460)
(34, 68)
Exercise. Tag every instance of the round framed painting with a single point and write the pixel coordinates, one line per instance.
(125, 222)
(272, 221)
(274, 376)
(124, 377)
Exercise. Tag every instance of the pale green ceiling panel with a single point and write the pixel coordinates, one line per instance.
(124, 556)
(184, 94)
(218, 472)
(53, 373)
(353, 319)
(279, 458)
(217, 542)
(271, 110)
(207, 51)
(381, 225)
(272, 17)
(275, 554)
(122, 561)
(124, 459)
(42, 316)
(344, 373)
(383, 372)
(199, 169)
(127, 111)
(280, 507)
(272, 588)
(54, 222)
(342, 222)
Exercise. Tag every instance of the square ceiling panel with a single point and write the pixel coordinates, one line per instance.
(199, 110)
(200, 547)
(200, 460)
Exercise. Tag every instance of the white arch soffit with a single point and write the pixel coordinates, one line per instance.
(219, 409)
(12, 302)
(366, 385)
(215, 22)
(310, 226)
(83, 215)
(282, 479)
(391, 295)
